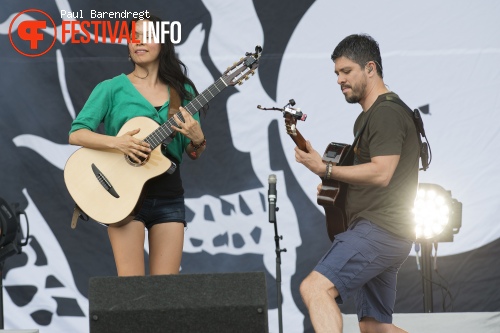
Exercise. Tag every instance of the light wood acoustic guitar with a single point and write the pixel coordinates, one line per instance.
(107, 185)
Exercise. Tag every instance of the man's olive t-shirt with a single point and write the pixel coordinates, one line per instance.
(390, 131)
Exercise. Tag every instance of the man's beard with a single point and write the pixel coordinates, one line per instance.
(356, 93)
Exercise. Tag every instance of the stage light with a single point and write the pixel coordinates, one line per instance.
(437, 215)
(11, 234)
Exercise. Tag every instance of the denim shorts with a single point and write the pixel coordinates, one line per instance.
(363, 262)
(162, 210)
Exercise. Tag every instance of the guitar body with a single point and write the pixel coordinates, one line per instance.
(127, 179)
(333, 192)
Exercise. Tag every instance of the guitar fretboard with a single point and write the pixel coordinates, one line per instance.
(164, 131)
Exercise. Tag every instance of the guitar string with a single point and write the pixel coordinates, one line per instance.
(155, 138)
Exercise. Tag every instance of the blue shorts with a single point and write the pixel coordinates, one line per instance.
(161, 210)
(363, 262)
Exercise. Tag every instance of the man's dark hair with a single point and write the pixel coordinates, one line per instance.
(361, 49)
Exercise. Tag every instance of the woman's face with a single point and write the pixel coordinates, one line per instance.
(140, 52)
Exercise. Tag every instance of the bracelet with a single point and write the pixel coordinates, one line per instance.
(196, 147)
(193, 154)
(328, 170)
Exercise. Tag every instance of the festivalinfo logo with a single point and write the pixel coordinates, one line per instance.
(30, 31)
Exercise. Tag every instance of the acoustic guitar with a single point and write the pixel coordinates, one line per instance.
(107, 185)
(332, 195)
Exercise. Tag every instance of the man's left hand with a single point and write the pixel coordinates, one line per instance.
(311, 159)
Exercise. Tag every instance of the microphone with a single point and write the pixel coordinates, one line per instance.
(271, 196)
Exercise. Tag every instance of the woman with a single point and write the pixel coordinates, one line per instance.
(157, 78)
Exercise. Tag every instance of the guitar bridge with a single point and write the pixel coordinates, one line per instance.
(104, 181)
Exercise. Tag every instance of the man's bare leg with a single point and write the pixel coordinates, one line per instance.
(318, 294)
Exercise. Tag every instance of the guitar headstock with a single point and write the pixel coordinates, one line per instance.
(290, 124)
(242, 69)
(291, 116)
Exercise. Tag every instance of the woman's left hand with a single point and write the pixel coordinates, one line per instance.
(190, 128)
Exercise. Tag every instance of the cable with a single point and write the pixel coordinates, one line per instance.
(443, 283)
(417, 250)
(445, 291)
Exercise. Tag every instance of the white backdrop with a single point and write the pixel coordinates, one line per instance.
(442, 54)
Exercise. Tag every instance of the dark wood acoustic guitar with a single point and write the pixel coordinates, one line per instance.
(332, 195)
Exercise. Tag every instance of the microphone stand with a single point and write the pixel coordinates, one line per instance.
(278, 251)
(1, 295)
(296, 114)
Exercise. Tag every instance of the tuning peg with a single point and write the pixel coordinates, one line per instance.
(252, 72)
(247, 77)
(240, 83)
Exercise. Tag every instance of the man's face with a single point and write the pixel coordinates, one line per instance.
(351, 78)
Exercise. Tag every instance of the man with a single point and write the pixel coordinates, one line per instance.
(382, 182)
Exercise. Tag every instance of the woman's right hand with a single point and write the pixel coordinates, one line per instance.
(135, 148)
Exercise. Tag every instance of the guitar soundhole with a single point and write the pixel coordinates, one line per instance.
(134, 163)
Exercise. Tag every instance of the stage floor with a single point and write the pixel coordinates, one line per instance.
(450, 322)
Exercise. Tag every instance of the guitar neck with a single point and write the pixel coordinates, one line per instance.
(299, 140)
(165, 130)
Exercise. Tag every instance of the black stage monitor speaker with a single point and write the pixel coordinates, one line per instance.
(226, 302)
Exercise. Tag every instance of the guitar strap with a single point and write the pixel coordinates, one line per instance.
(77, 213)
(173, 108)
(425, 149)
(175, 103)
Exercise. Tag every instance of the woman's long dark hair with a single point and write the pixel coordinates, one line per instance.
(171, 71)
